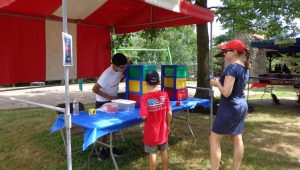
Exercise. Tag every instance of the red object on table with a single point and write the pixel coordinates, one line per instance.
(258, 85)
(177, 103)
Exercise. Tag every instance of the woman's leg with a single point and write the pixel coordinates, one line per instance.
(152, 161)
(215, 150)
(164, 157)
(238, 151)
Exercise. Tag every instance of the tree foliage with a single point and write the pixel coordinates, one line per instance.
(182, 43)
(269, 17)
(152, 33)
(223, 38)
(180, 40)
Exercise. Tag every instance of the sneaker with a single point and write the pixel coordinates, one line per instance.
(117, 152)
(102, 155)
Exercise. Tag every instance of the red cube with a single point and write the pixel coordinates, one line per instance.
(135, 97)
(181, 94)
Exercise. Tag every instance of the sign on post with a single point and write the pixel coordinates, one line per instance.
(67, 49)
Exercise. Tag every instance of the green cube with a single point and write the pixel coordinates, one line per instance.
(134, 71)
(180, 72)
(146, 69)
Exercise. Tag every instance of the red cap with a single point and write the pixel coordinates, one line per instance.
(235, 45)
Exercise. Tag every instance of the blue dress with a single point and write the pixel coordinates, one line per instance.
(233, 109)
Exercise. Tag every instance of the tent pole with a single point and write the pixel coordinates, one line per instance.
(140, 49)
(113, 49)
(67, 112)
(33, 103)
(169, 53)
(211, 76)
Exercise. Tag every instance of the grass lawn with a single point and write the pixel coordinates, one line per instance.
(279, 91)
(271, 138)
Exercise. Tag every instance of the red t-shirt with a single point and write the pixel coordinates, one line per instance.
(155, 105)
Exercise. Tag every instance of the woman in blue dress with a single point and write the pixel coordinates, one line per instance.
(233, 106)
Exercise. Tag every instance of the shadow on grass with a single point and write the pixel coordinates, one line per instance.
(272, 133)
(268, 160)
(133, 148)
(180, 141)
(287, 107)
(263, 150)
(272, 144)
(266, 134)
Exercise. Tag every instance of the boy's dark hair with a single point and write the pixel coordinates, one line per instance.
(152, 78)
(119, 59)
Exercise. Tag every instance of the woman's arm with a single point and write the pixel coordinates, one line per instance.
(225, 90)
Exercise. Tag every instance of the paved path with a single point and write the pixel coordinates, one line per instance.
(47, 95)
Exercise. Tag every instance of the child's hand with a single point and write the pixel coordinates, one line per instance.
(112, 97)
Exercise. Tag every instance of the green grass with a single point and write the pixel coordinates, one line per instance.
(271, 139)
(279, 91)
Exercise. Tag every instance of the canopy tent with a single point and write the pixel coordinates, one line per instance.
(278, 47)
(30, 31)
(290, 46)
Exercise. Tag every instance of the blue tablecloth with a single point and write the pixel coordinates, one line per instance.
(189, 103)
(104, 123)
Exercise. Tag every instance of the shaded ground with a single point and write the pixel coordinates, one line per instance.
(271, 139)
(272, 135)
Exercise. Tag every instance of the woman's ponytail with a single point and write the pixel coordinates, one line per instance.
(247, 62)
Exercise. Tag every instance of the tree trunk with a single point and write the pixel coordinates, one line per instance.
(202, 56)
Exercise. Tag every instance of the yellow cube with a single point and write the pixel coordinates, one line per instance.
(134, 86)
(180, 82)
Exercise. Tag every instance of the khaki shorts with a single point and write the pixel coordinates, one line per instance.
(153, 149)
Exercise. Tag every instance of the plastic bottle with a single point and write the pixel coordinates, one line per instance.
(75, 107)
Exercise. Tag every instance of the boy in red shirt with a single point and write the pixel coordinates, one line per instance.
(156, 111)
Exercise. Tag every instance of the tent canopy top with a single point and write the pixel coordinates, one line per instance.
(31, 33)
(290, 46)
(123, 16)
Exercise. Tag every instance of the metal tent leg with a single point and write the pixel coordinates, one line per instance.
(211, 76)
(111, 152)
(110, 146)
(64, 140)
(189, 125)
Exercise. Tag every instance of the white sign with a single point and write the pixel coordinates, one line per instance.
(67, 49)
